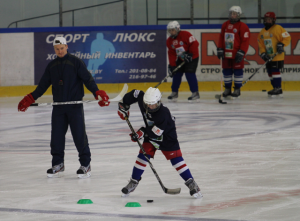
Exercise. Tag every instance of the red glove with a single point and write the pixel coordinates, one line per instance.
(138, 135)
(123, 110)
(104, 97)
(25, 103)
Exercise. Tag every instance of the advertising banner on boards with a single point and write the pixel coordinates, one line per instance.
(209, 64)
(110, 56)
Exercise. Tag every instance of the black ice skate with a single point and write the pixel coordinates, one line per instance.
(130, 187)
(56, 171)
(236, 93)
(194, 188)
(276, 92)
(173, 96)
(84, 172)
(227, 92)
(194, 97)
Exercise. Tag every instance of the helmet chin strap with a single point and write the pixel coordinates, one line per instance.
(174, 36)
(147, 108)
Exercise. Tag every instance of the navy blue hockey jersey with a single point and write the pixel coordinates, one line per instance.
(160, 125)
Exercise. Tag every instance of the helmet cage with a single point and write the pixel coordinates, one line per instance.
(173, 25)
(235, 10)
(152, 110)
(272, 16)
(152, 96)
(236, 19)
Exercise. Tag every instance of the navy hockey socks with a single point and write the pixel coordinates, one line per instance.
(238, 78)
(276, 75)
(176, 81)
(139, 166)
(183, 170)
(193, 82)
(227, 75)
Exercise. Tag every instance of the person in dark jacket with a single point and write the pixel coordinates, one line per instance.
(66, 74)
(159, 133)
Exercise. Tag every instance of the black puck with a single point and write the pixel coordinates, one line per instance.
(264, 90)
(149, 201)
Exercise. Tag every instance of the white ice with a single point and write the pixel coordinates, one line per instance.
(244, 155)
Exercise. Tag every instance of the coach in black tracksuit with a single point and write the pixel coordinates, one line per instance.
(66, 74)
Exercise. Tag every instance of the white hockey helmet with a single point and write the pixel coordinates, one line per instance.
(152, 96)
(173, 25)
(238, 11)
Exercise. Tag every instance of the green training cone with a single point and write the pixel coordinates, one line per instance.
(85, 201)
(133, 204)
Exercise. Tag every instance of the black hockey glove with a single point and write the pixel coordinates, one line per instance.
(264, 56)
(220, 52)
(170, 70)
(280, 48)
(138, 135)
(239, 56)
(188, 57)
(123, 111)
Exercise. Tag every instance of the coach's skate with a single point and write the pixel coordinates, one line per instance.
(173, 96)
(56, 171)
(194, 97)
(84, 172)
(194, 188)
(236, 93)
(276, 92)
(130, 187)
(227, 93)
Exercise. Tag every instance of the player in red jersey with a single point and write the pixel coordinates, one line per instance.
(232, 48)
(182, 46)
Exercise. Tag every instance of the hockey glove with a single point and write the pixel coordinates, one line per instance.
(102, 94)
(170, 70)
(123, 111)
(264, 56)
(239, 56)
(280, 48)
(138, 135)
(25, 103)
(188, 57)
(220, 53)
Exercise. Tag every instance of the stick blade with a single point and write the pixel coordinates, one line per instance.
(172, 191)
(121, 95)
(222, 102)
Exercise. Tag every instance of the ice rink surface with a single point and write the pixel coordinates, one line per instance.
(244, 155)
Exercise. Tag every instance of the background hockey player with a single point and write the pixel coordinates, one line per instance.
(66, 74)
(182, 46)
(271, 39)
(159, 133)
(232, 48)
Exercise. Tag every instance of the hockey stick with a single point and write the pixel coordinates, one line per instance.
(220, 99)
(117, 98)
(248, 79)
(166, 190)
(176, 69)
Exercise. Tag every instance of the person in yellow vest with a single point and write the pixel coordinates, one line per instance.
(271, 39)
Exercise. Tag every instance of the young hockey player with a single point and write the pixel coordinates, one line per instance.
(232, 48)
(182, 46)
(271, 39)
(159, 133)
